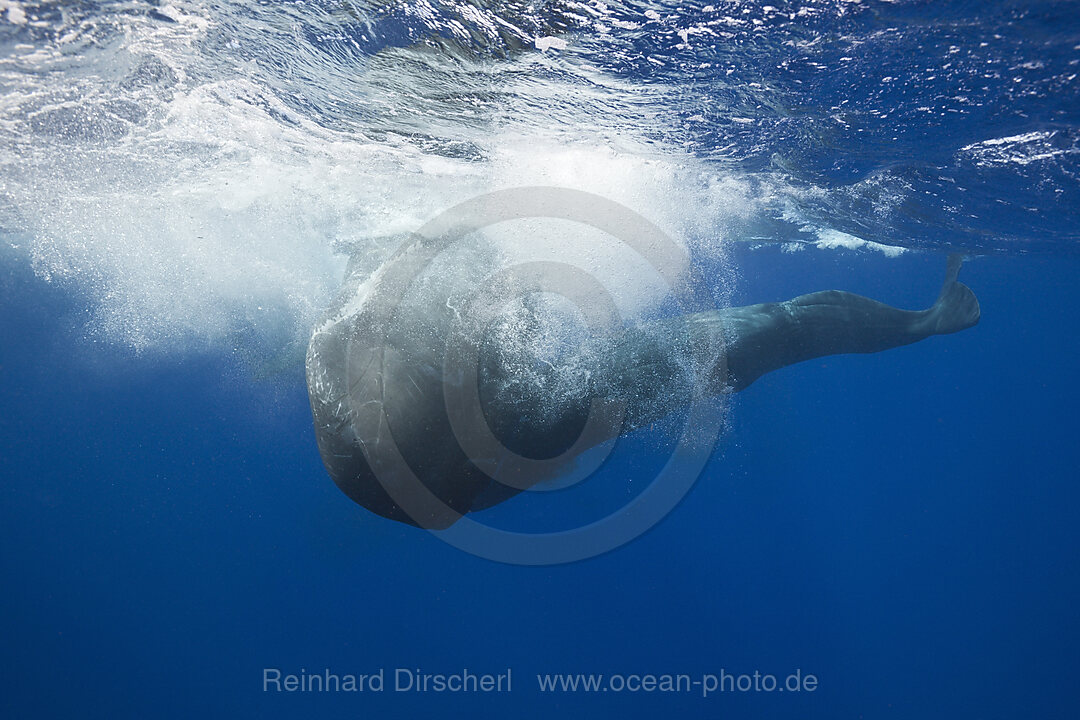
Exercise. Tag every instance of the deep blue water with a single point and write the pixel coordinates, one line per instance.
(179, 185)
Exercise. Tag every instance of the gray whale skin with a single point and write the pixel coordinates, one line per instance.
(643, 368)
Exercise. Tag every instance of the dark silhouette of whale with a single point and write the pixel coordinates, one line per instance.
(384, 405)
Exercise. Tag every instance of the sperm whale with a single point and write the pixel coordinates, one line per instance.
(388, 417)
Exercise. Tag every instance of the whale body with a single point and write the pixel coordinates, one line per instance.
(386, 407)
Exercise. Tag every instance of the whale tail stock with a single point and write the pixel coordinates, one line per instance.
(765, 337)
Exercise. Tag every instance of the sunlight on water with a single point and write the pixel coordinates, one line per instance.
(220, 211)
(201, 171)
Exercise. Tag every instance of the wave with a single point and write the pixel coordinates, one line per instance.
(202, 170)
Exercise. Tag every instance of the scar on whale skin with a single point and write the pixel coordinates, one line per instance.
(643, 369)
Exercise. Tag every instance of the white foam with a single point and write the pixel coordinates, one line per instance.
(834, 239)
(549, 43)
(1022, 149)
(15, 13)
(222, 216)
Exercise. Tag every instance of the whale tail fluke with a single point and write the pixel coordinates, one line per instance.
(956, 308)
